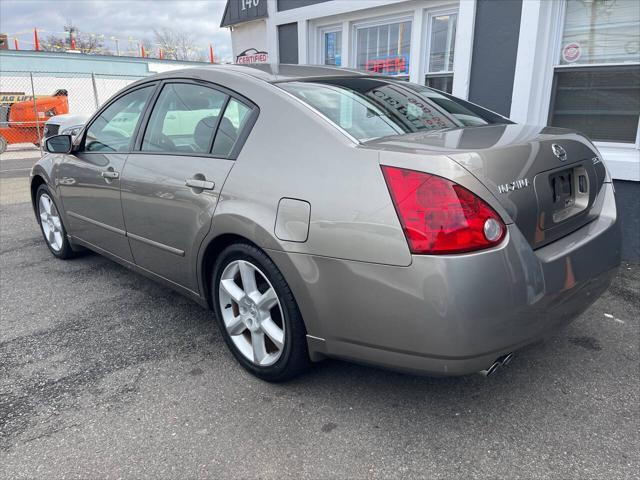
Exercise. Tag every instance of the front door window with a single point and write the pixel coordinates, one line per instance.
(112, 130)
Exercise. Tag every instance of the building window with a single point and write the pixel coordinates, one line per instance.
(384, 48)
(332, 47)
(596, 87)
(442, 39)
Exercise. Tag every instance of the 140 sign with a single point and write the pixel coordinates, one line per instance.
(246, 4)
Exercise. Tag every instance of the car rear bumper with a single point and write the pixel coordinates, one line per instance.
(456, 314)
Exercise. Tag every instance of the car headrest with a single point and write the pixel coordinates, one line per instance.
(225, 137)
(227, 128)
(204, 132)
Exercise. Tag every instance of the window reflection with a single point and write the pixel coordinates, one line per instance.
(368, 107)
(384, 48)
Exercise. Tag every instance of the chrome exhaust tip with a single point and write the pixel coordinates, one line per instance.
(505, 359)
(499, 362)
(491, 370)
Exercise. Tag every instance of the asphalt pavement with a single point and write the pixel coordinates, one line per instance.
(105, 374)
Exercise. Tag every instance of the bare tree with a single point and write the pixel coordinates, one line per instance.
(177, 45)
(89, 43)
(54, 43)
(85, 43)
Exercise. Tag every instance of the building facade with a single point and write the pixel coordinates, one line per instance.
(567, 63)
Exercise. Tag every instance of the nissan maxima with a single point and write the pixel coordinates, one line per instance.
(325, 212)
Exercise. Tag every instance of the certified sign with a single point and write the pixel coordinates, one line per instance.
(252, 55)
(571, 52)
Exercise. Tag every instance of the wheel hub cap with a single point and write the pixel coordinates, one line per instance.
(249, 311)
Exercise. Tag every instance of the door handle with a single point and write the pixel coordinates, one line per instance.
(110, 174)
(199, 184)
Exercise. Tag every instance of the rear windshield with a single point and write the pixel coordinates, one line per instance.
(370, 108)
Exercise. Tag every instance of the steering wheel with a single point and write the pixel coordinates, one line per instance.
(161, 141)
(116, 131)
(110, 139)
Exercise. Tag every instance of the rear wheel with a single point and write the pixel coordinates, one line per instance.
(51, 225)
(258, 315)
(3, 144)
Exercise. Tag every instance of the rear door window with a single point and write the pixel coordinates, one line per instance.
(184, 119)
(232, 123)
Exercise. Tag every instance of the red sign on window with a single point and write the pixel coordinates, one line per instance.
(571, 52)
(388, 65)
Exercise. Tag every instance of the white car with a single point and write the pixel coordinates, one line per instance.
(65, 124)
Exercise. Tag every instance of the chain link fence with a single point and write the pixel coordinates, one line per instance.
(29, 99)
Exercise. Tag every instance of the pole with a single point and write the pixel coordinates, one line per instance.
(117, 47)
(35, 111)
(36, 40)
(15, 44)
(72, 41)
(211, 58)
(95, 90)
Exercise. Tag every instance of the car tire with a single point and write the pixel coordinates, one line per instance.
(248, 318)
(3, 144)
(51, 226)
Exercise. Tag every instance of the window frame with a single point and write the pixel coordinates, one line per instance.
(453, 9)
(237, 146)
(147, 119)
(322, 31)
(378, 22)
(556, 65)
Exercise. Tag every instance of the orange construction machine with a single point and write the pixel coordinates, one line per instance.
(23, 121)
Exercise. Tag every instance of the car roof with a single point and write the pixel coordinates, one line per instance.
(278, 72)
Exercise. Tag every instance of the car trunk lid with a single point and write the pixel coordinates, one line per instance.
(546, 179)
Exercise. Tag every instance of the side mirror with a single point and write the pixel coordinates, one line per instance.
(58, 144)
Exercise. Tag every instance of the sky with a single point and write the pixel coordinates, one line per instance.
(124, 19)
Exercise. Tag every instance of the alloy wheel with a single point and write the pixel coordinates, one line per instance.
(50, 222)
(251, 313)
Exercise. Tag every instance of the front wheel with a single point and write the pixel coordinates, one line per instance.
(51, 225)
(258, 315)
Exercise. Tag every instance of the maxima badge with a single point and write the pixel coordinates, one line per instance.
(513, 186)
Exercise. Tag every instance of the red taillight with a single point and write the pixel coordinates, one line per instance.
(439, 216)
